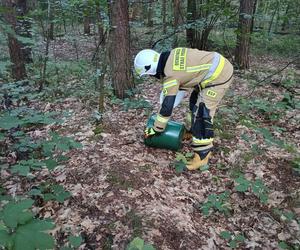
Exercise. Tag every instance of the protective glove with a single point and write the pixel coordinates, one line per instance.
(149, 132)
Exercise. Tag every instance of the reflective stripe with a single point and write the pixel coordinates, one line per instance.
(161, 119)
(215, 70)
(169, 84)
(198, 68)
(202, 141)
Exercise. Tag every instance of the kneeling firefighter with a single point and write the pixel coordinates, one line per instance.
(209, 74)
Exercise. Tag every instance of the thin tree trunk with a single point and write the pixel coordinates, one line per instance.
(164, 14)
(243, 36)
(273, 16)
(15, 47)
(176, 13)
(119, 48)
(63, 16)
(253, 17)
(286, 19)
(86, 25)
(51, 30)
(99, 22)
(48, 34)
(191, 18)
(150, 15)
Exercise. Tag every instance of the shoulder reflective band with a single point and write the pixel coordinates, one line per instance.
(198, 68)
(202, 141)
(169, 84)
(161, 119)
(179, 60)
(215, 70)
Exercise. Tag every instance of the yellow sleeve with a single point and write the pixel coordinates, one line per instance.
(170, 89)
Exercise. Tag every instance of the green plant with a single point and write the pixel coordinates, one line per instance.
(49, 191)
(233, 240)
(73, 243)
(19, 226)
(284, 215)
(217, 202)
(181, 160)
(257, 187)
(139, 244)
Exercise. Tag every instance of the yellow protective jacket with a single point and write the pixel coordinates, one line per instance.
(184, 68)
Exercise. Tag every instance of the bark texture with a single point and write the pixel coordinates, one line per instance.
(177, 19)
(164, 15)
(119, 48)
(15, 47)
(243, 36)
(23, 27)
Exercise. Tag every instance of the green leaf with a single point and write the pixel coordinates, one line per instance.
(66, 248)
(263, 198)
(7, 122)
(32, 236)
(204, 167)
(22, 170)
(232, 244)
(51, 164)
(180, 158)
(4, 238)
(225, 235)
(136, 243)
(148, 247)
(75, 241)
(241, 188)
(189, 155)
(239, 237)
(35, 192)
(205, 208)
(15, 213)
(179, 166)
(283, 245)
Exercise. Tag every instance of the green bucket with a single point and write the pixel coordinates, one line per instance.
(171, 138)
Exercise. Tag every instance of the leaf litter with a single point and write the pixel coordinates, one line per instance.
(122, 189)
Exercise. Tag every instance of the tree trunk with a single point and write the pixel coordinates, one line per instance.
(150, 15)
(286, 19)
(119, 51)
(273, 16)
(15, 47)
(176, 12)
(51, 30)
(243, 36)
(86, 25)
(164, 13)
(23, 27)
(99, 22)
(191, 18)
(253, 17)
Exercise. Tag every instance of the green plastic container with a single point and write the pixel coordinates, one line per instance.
(171, 138)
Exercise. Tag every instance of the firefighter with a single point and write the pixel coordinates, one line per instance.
(209, 74)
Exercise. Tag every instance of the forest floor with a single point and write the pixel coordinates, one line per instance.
(122, 189)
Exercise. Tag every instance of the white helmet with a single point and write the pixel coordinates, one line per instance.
(146, 61)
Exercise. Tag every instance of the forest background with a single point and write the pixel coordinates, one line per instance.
(74, 169)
